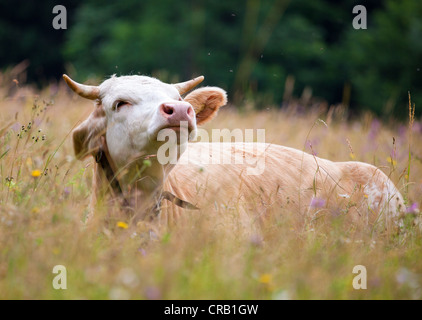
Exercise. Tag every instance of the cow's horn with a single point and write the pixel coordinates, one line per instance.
(186, 86)
(89, 92)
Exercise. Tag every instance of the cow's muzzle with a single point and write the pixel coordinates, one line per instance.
(178, 112)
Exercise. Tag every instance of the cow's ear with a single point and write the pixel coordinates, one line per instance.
(206, 101)
(87, 136)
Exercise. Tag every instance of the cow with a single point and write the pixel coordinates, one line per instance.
(123, 135)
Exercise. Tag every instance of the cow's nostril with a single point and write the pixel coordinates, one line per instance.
(167, 109)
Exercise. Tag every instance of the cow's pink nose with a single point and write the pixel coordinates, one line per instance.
(175, 112)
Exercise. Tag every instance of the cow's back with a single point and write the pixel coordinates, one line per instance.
(258, 175)
(261, 176)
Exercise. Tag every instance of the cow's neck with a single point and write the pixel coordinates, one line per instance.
(144, 192)
(147, 174)
(144, 183)
(141, 181)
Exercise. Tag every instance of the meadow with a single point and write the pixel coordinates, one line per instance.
(45, 193)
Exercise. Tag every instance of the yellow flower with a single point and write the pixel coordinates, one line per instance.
(36, 173)
(35, 210)
(352, 156)
(122, 225)
(265, 278)
(390, 160)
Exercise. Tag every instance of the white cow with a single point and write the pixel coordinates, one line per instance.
(123, 134)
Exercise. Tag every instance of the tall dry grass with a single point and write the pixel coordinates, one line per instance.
(44, 196)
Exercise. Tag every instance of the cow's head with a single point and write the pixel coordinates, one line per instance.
(131, 111)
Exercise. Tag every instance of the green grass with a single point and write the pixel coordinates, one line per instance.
(41, 218)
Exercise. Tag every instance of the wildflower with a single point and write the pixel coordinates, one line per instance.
(410, 279)
(352, 156)
(36, 173)
(16, 127)
(344, 195)
(127, 277)
(142, 251)
(413, 208)
(153, 293)
(265, 278)
(317, 203)
(35, 210)
(122, 225)
(281, 295)
(392, 161)
(374, 129)
(256, 240)
(66, 191)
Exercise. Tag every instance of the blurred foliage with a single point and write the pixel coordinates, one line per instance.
(247, 47)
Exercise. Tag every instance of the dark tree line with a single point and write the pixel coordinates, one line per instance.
(249, 47)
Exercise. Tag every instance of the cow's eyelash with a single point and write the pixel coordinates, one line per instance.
(120, 103)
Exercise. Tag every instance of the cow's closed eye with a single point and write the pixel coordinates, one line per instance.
(120, 103)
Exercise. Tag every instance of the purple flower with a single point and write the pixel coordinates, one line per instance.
(413, 208)
(152, 293)
(402, 130)
(142, 251)
(16, 127)
(374, 129)
(66, 192)
(256, 240)
(417, 127)
(311, 144)
(317, 203)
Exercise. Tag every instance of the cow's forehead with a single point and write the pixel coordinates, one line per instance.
(133, 86)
